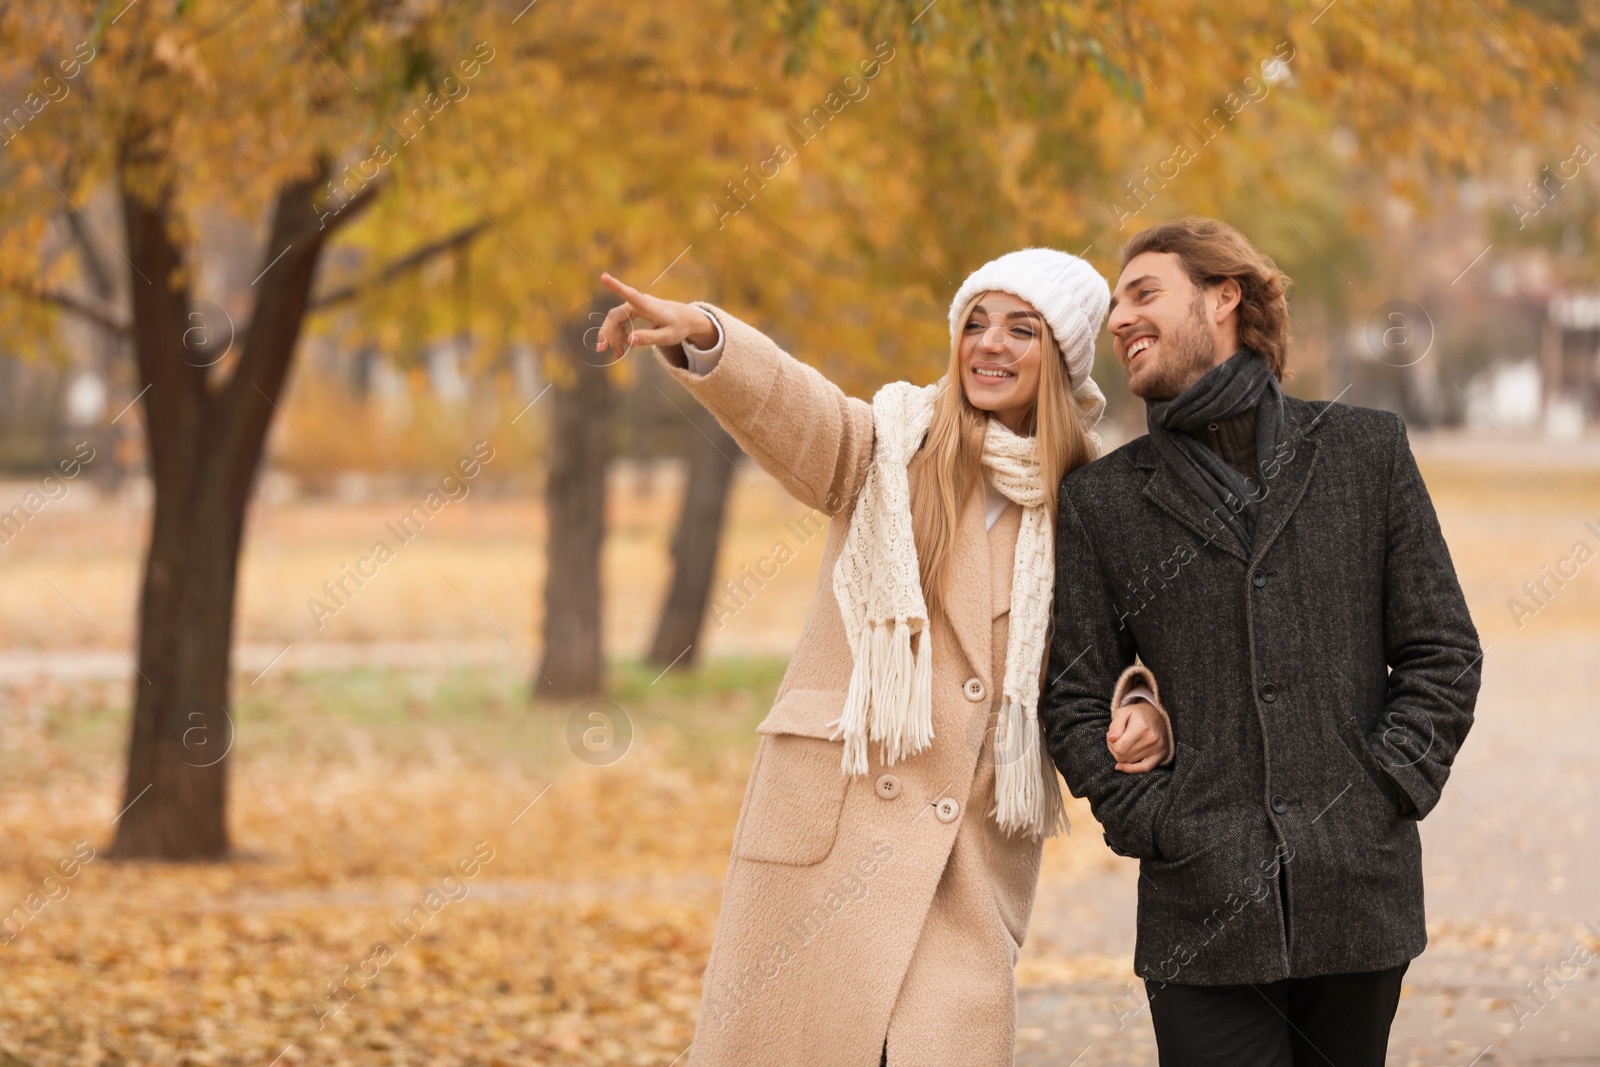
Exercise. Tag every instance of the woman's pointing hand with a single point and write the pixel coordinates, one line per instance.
(672, 323)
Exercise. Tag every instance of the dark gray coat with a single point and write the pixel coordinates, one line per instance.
(1319, 687)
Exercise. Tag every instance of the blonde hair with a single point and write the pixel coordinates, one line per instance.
(947, 468)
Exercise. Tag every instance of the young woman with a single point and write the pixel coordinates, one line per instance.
(887, 853)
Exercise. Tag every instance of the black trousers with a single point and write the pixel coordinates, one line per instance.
(1335, 1020)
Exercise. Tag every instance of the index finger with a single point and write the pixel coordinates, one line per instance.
(624, 290)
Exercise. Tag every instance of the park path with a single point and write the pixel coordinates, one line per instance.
(106, 664)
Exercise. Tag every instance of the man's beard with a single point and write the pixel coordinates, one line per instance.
(1191, 352)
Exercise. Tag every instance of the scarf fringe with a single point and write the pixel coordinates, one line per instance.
(890, 699)
(1027, 793)
(851, 725)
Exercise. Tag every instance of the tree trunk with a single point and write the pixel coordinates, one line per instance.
(712, 455)
(205, 447)
(575, 504)
(182, 731)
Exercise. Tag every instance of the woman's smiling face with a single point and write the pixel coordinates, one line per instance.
(1000, 350)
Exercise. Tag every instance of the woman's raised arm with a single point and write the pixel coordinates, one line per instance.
(792, 420)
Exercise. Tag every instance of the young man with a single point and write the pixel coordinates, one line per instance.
(1290, 588)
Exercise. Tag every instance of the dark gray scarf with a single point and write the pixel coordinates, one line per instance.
(1242, 382)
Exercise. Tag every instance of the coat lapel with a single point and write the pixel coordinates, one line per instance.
(967, 598)
(1167, 492)
(1288, 484)
(1285, 488)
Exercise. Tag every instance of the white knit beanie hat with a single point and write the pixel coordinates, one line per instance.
(1068, 292)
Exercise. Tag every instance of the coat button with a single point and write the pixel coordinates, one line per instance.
(947, 810)
(1279, 804)
(888, 787)
(1258, 580)
(1269, 692)
(974, 689)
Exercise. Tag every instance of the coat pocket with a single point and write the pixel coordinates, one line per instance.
(797, 788)
(1350, 733)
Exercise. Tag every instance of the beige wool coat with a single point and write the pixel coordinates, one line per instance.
(889, 904)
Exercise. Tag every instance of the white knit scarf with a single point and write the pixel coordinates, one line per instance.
(879, 589)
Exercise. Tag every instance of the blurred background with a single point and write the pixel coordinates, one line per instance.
(379, 665)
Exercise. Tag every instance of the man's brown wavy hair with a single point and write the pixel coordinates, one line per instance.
(1212, 252)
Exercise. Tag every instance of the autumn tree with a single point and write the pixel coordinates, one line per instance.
(180, 117)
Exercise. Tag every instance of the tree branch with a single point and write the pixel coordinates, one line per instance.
(405, 264)
(353, 208)
(100, 314)
(95, 268)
